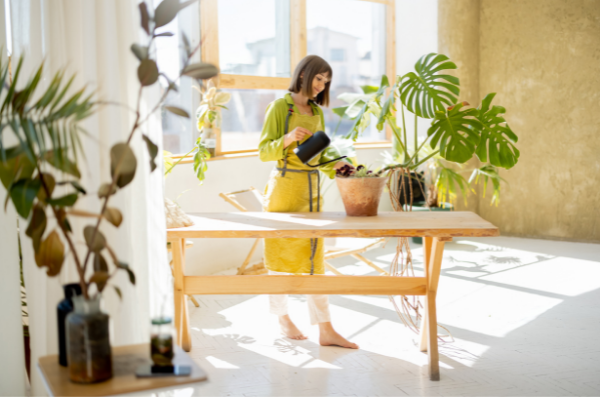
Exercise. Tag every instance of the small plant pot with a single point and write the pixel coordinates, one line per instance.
(447, 207)
(361, 195)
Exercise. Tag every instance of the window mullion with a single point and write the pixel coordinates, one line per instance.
(297, 32)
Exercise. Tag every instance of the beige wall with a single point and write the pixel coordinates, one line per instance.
(542, 58)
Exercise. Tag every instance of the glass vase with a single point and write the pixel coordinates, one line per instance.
(161, 342)
(88, 344)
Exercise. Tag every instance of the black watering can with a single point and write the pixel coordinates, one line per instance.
(312, 147)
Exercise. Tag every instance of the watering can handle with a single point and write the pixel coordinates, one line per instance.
(327, 162)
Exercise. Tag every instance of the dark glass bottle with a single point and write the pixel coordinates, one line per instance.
(65, 307)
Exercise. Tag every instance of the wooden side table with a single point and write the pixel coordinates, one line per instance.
(125, 361)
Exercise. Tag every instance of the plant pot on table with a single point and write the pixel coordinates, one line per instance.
(420, 206)
(361, 195)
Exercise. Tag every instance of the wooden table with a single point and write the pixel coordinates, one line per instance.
(436, 228)
(125, 361)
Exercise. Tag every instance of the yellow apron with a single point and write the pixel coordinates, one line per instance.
(294, 187)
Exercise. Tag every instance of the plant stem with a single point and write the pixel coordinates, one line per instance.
(181, 158)
(416, 139)
(404, 132)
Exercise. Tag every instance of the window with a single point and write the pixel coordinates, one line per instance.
(256, 44)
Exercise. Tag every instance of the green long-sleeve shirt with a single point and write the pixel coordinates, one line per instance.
(271, 143)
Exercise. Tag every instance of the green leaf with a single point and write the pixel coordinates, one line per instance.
(51, 254)
(118, 291)
(16, 166)
(49, 182)
(369, 89)
(100, 264)
(114, 216)
(456, 133)
(23, 193)
(426, 92)
(147, 72)
(37, 226)
(122, 156)
(497, 139)
(447, 182)
(65, 201)
(167, 11)
(200, 71)
(78, 186)
(144, 17)
(152, 151)
(165, 34)
(178, 111)
(99, 241)
(58, 160)
(140, 52)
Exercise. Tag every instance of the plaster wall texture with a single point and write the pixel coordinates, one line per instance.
(458, 38)
(542, 58)
(209, 256)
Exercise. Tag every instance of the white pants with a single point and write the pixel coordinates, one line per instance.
(318, 305)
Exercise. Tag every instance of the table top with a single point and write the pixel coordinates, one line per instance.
(334, 224)
(125, 361)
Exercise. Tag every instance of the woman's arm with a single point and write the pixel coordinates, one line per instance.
(271, 146)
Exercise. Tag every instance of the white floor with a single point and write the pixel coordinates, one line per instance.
(523, 314)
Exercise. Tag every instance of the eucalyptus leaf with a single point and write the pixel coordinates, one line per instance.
(99, 241)
(103, 191)
(152, 151)
(78, 186)
(122, 156)
(147, 72)
(51, 254)
(165, 34)
(144, 17)
(65, 201)
(200, 71)
(167, 11)
(178, 111)
(125, 266)
(140, 52)
(114, 216)
(118, 291)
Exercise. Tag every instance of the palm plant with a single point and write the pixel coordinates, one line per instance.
(40, 170)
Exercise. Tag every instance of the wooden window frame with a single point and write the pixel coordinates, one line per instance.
(209, 32)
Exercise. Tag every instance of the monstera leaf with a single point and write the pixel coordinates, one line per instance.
(456, 132)
(426, 92)
(497, 138)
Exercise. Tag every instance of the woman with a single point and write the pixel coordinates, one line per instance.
(294, 187)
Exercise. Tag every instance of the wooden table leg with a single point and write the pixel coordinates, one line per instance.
(433, 277)
(181, 312)
(427, 243)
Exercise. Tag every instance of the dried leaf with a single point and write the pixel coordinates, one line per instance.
(99, 241)
(103, 191)
(100, 278)
(147, 72)
(114, 216)
(122, 154)
(37, 226)
(100, 264)
(51, 254)
(50, 183)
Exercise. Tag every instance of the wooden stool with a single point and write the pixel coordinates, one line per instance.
(185, 246)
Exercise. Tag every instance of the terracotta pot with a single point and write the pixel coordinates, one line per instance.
(361, 195)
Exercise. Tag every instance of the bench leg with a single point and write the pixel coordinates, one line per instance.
(427, 243)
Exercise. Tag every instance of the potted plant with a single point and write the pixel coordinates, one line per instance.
(360, 190)
(41, 176)
(457, 133)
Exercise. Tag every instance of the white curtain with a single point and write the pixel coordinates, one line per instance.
(92, 38)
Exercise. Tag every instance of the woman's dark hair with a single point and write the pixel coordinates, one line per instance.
(311, 66)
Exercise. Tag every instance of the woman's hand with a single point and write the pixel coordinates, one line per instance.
(297, 134)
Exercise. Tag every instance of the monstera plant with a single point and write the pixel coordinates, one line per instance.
(40, 154)
(458, 132)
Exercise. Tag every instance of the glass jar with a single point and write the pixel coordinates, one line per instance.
(209, 139)
(88, 344)
(162, 337)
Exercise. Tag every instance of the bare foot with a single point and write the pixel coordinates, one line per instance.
(329, 337)
(289, 329)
